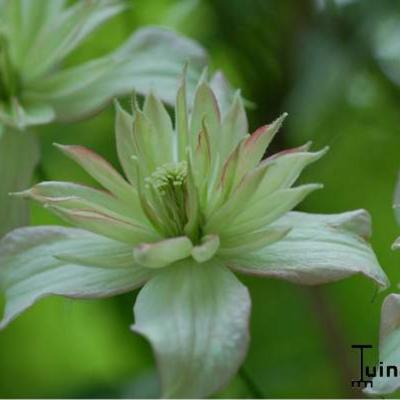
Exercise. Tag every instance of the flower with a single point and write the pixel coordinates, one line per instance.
(198, 204)
(35, 89)
(36, 38)
(384, 380)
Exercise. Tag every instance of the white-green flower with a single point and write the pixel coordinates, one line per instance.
(197, 204)
(389, 335)
(35, 88)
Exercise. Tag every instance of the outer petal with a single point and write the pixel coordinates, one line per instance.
(32, 267)
(152, 59)
(318, 249)
(196, 319)
(389, 349)
(58, 36)
(19, 154)
(162, 253)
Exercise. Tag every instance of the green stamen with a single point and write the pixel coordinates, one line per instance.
(168, 189)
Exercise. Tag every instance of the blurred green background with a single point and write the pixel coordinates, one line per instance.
(335, 67)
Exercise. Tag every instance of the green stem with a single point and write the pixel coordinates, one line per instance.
(19, 154)
(253, 388)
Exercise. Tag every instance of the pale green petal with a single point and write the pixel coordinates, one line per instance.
(152, 59)
(156, 57)
(245, 220)
(242, 244)
(254, 147)
(79, 197)
(162, 126)
(318, 249)
(63, 33)
(29, 268)
(389, 346)
(105, 225)
(24, 20)
(206, 110)
(126, 146)
(181, 119)
(196, 319)
(19, 153)
(283, 170)
(234, 127)
(223, 91)
(396, 244)
(102, 171)
(163, 253)
(206, 249)
(18, 116)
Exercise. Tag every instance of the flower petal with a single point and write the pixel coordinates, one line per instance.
(196, 319)
(318, 249)
(206, 249)
(162, 126)
(19, 153)
(30, 270)
(102, 171)
(273, 207)
(234, 127)
(63, 33)
(163, 253)
(74, 196)
(126, 147)
(105, 225)
(150, 60)
(389, 347)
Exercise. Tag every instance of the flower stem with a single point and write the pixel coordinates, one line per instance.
(254, 390)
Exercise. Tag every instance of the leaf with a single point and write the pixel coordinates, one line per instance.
(196, 319)
(19, 154)
(30, 270)
(318, 249)
(389, 347)
(152, 59)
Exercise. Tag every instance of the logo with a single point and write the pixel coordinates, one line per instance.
(367, 372)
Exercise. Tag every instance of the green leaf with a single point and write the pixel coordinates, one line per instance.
(389, 348)
(318, 249)
(152, 59)
(30, 268)
(19, 153)
(196, 319)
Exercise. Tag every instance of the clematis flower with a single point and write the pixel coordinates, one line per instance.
(389, 335)
(35, 39)
(198, 204)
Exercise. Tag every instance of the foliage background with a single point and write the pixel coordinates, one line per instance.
(334, 65)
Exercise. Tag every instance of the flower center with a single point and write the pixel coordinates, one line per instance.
(168, 189)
